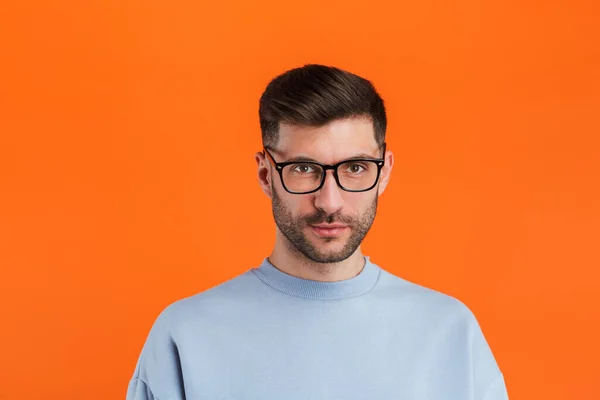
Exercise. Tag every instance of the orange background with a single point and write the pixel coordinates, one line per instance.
(127, 179)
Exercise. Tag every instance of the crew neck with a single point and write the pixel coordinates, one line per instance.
(311, 289)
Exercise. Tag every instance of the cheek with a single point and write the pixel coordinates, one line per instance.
(358, 207)
(356, 204)
(297, 205)
(302, 206)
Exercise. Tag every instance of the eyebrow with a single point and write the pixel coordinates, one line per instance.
(309, 159)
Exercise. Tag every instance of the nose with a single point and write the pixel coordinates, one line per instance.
(328, 198)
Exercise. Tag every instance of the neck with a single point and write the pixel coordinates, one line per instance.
(288, 259)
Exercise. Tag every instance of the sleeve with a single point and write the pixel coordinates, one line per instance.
(158, 373)
(139, 390)
(497, 390)
(487, 375)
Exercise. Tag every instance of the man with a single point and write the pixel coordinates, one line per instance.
(317, 319)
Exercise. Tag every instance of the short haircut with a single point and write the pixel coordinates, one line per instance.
(314, 95)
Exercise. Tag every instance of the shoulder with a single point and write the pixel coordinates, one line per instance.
(209, 303)
(423, 300)
(449, 319)
(447, 323)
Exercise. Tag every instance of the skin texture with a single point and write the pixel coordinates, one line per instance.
(298, 249)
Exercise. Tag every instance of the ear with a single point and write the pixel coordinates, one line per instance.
(264, 173)
(386, 171)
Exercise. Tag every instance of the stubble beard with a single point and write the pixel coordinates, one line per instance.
(293, 229)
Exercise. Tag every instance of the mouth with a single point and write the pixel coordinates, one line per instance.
(329, 230)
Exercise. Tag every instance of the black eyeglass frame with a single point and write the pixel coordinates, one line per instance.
(380, 162)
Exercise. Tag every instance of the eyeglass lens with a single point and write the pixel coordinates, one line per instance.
(353, 175)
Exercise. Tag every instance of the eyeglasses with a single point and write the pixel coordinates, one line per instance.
(353, 175)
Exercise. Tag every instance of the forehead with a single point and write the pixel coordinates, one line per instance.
(334, 141)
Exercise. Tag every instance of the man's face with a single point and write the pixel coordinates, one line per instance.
(298, 216)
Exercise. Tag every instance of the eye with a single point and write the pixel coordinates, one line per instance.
(303, 168)
(355, 168)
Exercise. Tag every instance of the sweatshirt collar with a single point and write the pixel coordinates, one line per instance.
(307, 288)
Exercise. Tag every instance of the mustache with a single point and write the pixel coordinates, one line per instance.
(321, 217)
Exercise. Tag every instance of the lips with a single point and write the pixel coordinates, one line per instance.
(329, 230)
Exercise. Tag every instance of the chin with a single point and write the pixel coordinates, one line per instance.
(329, 254)
(330, 258)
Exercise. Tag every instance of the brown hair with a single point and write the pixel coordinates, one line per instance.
(314, 95)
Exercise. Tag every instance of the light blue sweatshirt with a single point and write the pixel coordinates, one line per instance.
(267, 335)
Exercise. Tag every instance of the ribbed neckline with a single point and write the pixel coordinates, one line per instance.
(300, 287)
